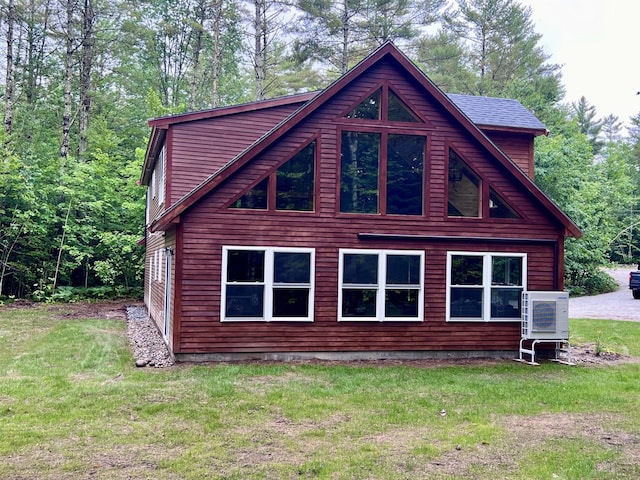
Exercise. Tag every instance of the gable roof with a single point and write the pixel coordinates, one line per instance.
(160, 125)
(386, 51)
(497, 112)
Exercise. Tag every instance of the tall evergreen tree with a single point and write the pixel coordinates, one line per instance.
(585, 115)
(499, 44)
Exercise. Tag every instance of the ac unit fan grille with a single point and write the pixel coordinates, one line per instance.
(544, 316)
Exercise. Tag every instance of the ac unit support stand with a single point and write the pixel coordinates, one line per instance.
(562, 346)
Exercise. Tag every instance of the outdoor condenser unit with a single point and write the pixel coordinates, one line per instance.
(545, 315)
(545, 319)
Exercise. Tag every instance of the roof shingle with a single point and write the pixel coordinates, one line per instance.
(498, 112)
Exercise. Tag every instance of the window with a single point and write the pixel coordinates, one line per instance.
(255, 199)
(371, 108)
(294, 184)
(382, 171)
(295, 181)
(498, 208)
(485, 286)
(267, 284)
(381, 285)
(364, 165)
(463, 189)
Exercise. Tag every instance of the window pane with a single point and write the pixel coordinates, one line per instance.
(256, 198)
(506, 302)
(405, 168)
(360, 269)
(291, 267)
(463, 189)
(498, 208)
(401, 303)
(506, 271)
(245, 266)
(398, 111)
(359, 172)
(466, 270)
(358, 303)
(466, 302)
(244, 301)
(403, 270)
(369, 109)
(294, 181)
(291, 302)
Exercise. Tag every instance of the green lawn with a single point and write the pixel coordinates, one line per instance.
(73, 405)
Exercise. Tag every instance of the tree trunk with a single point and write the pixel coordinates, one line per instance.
(68, 66)
(86, 64)
(197, 50)
(344, 60)
(59, 259)
(217, 51)
(260, 48)
(9, 84)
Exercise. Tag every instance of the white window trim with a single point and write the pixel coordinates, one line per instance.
(486, 286)
(161, 169)
(268, 284)
(380, 287)
(153, 184)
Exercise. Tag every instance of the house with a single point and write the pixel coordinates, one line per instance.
(377, 218)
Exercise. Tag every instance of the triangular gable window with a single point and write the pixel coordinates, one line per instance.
(369, 109)
(293, 181)
(255, 199)
(398, 111)
(498, 208)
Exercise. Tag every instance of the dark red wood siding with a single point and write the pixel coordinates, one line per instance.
(209, 225)
(201, 148)
(518, 146)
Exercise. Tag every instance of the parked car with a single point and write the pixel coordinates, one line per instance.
(634, 283)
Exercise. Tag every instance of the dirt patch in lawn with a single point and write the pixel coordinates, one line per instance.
(113, 309)
(526, 434)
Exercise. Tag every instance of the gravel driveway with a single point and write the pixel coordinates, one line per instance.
(618, 305)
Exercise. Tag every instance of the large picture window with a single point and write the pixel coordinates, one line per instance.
(267, 284)
(381, 285)
(382, 171)
(485, 286)
(375, 162)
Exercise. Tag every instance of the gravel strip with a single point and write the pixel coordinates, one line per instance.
(149, 349)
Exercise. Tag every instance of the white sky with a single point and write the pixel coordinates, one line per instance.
(597, 43)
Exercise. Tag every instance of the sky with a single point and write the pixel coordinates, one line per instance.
(597, 43)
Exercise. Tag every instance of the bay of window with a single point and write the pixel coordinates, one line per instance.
(485, 286)
(267, 284)
(381, 285)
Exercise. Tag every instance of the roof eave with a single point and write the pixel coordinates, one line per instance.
(156, 140)
(536, 132)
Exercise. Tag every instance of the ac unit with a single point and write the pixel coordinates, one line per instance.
(545, 315)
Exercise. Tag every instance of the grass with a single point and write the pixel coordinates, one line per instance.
(72, 405)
